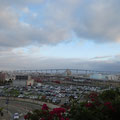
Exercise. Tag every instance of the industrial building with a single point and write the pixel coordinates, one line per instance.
(2, 77)
(23, 80)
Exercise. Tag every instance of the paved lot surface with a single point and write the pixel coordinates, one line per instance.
(14, 106)
(6, 115)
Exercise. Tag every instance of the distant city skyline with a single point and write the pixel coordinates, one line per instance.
(43, 34)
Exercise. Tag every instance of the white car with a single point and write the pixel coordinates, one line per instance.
(20, 96)
(16, 116)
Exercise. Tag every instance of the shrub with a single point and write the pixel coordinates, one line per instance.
(102, 106)
(45, 114)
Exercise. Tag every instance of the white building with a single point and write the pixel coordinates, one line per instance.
(30, 82)
(104, 77)
(112, 77)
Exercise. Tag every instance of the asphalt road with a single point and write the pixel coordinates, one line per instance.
(17, 107)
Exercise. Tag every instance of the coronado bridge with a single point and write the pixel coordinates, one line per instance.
(73, 71)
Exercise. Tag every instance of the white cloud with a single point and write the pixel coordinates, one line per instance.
(21, 61)
(95, 20)
(26, 10)
(98, 21)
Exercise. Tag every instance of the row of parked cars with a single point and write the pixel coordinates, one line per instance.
(50, 93)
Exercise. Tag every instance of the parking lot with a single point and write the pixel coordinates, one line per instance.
(56, 94)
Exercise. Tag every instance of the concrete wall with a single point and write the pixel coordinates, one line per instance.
(19, 83)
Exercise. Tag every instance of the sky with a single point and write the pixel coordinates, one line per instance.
(41, 34)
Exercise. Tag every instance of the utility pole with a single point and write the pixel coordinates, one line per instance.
(7, 102)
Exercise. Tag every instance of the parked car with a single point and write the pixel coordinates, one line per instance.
(16, 116)
(21, 96)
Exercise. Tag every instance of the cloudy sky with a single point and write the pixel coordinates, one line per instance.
(38, 34)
